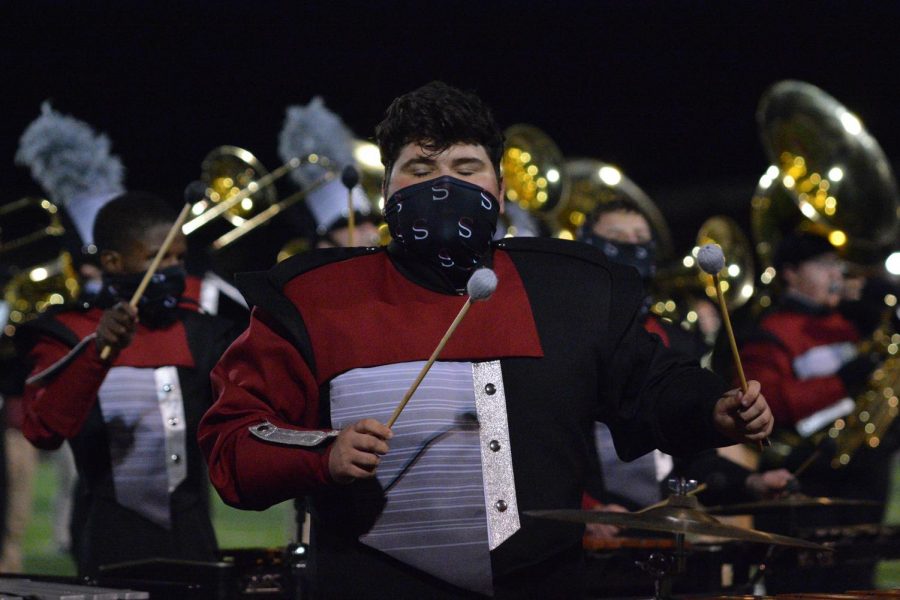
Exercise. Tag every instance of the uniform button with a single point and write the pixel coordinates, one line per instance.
(490, 389)
(500, 505)
(175, 458)
(494, 445)
(173, 421)
(167, 387)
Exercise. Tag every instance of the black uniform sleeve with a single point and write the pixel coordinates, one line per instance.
(662, 398)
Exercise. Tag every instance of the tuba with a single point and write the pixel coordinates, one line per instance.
(829, 176)
(38, 272)
(535, 179)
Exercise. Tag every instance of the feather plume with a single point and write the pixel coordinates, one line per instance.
(314, 129)
(68, 158)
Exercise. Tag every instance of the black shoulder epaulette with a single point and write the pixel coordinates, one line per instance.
(264, 289)
(254, 283)
(286, 270)
(46, 325)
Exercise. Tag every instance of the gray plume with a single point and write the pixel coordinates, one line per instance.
(68, 158)
(314, 129)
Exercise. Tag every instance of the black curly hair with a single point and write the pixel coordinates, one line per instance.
(437, 116)
(127, 216)
(620, 204)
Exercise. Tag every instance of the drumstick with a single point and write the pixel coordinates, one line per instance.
(151, 270)
(481, 285)
(712, 260)
(807, 463)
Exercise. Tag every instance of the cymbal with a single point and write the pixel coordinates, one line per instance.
(785, 503)
(673, 519)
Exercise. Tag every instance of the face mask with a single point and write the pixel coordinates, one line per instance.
(156, 307)
(445, 221)
(640, 256)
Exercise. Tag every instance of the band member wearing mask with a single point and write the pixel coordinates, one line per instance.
(623, 233)
(130, 419)
(806, 352)
(435, 507)
(328, 206)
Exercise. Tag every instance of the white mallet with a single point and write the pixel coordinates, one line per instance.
(712, 260)
(481, 285)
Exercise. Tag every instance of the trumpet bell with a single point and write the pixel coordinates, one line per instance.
(227, 171)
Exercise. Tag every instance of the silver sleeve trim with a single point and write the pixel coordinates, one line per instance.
(291, 437)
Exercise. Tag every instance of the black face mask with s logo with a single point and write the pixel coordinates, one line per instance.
(159, 301)
(640, 256)
(445, 221)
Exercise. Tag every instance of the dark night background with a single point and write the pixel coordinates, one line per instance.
(665, 90)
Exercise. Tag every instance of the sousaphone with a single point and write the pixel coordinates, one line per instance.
(536, 180)
(828, 175)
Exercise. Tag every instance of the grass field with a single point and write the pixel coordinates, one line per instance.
(267, 529)
(234, 528)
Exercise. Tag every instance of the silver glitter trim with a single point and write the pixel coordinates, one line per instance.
(496, 465)
(171, 406)
(290, 437)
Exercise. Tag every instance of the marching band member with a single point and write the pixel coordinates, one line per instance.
(314, 128)
(130, 419)
(622, 231)
(328, 205)
(805, 353)
(501, 425)
(76, 169)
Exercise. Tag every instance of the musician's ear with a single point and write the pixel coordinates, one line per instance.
(111, 261)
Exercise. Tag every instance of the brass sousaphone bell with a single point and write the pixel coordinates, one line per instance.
(535, 178)
(828, 175)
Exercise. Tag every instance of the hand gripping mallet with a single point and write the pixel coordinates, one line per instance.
(151, 270)
(481, 285)
(712, 260)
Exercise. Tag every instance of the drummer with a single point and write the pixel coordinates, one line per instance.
(336, 336)
(623, 232)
